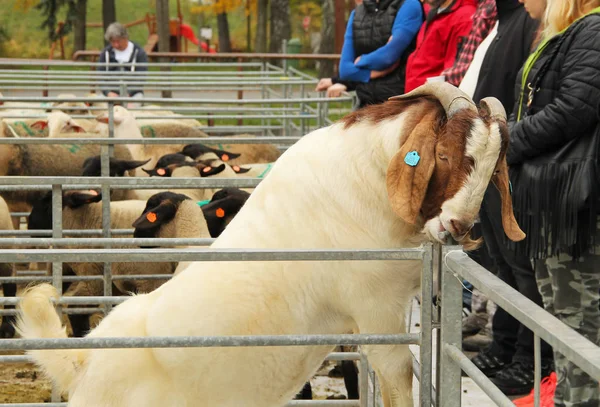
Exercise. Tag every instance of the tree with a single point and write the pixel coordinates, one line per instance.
(260, 41)
(79, 25)
(327, 44)
(75, 20)
(223, 27)
(221, 8)
(280, 24)
(109, 13)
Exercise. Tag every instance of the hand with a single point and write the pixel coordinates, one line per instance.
(336, 90)
(356, 60)
(385, 72)
(112, 95)
(323, 84)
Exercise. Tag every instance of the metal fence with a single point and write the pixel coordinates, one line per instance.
(440, 333)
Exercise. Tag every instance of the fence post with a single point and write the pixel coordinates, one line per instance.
(450, 376)
(426, 346)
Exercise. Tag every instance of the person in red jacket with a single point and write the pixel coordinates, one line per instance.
(448, 22)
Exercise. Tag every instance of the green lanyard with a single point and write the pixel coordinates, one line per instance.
(534, 57)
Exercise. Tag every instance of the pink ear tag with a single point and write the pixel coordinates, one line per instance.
(161, 171)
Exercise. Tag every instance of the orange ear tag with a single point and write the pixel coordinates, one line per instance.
(206, 169)
(225, 157)
(236, 168)
(220, 213)
(151, 216)
(161, 171)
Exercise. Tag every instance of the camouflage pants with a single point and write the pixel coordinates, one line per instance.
(570, 291)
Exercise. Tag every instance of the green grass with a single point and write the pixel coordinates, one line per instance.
(28, 40)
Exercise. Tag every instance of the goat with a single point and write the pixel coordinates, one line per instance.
(411, 170)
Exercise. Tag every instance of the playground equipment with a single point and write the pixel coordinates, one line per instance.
(180, 34)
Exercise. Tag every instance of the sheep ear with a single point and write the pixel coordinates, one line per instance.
(156, 216)
(75, 199)
(210, 170)
(121, 166)
(225, 155)
(39, 125)
(239, 170)
(410, 170)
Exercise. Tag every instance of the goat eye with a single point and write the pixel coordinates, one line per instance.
(443, 157)
(496, 172)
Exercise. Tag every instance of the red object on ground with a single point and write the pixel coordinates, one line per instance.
(547, 388)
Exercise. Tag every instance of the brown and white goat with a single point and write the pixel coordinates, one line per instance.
(354, 185)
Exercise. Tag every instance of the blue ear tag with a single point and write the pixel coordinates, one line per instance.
(412, 158)
(202, 203)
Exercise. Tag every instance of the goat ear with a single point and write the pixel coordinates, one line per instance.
(410, 170)
(156, 216)
(509, 223)
(76, 199)
(39, 125)
(210, 170)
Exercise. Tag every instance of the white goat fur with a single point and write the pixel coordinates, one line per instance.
(311, 199)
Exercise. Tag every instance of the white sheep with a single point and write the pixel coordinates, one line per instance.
(387, 176)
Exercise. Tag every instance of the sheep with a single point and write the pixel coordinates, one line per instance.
(411, 170)
(117, 168)
(191, 170)
(83, 210)
(7, 329)
(72, 107)
(59, 122)
(236, 154)
(45, 160)
(147, 118)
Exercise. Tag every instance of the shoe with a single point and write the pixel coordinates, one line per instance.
(478, 342)
(547, 389)
(489, 363)
(474, 323)
(518, 377)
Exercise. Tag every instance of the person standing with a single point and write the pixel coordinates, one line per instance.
(553, 160)
(380, 35)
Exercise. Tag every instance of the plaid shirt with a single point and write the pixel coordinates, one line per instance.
(483, 21)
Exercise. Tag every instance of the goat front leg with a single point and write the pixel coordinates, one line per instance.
(392, 363)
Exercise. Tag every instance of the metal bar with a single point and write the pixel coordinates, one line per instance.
(107, 241)
(463, 362)
(57, 233)
(563, 339)
(66, 232)
(363, 381)
(294, 403)
(25, 279)
(537, 372)
(333, 356)
(450, 382)
(178, 100)
(426, 346)
(147, 141)
(24, 183)
(193, 254)
(207, 341)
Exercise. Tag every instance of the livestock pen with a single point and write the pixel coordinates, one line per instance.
(439, 360)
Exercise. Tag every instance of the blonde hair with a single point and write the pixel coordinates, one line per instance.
(560, 14)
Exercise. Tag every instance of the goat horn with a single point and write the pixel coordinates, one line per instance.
(494, 108)
(450, 97)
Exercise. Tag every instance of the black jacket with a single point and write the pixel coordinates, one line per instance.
(371, 30)
(506, 54)
(107, 56)
(562, 107)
